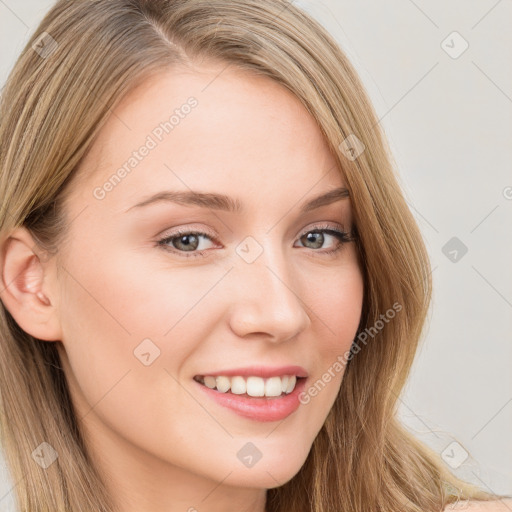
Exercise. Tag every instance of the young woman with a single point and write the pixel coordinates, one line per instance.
(200, 225)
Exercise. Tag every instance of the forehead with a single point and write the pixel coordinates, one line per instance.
(215, 129)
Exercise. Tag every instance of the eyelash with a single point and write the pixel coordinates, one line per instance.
(342, 236)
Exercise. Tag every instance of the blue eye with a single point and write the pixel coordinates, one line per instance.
(190, 240)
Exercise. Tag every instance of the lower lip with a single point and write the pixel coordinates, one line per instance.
(259, 409)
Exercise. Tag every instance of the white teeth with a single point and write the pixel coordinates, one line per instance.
(253, 386)
(273, 386)
(223, 384)
(238, 385)
(291, 384)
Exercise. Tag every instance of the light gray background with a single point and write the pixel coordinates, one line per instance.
(449, 122)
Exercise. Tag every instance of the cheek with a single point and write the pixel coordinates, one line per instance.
(335, 307)
(335, 310)
(111, 309)
(123, 295)
(122, 368)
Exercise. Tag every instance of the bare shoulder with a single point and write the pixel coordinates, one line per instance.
(503, 505)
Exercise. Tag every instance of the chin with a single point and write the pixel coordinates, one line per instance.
(262, 478)
(275, 471)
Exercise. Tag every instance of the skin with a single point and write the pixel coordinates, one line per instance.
(161, 443)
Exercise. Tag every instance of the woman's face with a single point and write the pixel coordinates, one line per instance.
(253, 289)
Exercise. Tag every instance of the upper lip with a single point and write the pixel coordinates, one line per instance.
(261, 371)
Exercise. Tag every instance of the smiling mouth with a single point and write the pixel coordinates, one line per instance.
(250, 386)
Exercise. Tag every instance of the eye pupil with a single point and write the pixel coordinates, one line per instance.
(319, 238)
(190, 246)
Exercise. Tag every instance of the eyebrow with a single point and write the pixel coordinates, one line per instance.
(227, 203)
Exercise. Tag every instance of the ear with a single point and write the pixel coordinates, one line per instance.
(28, 282)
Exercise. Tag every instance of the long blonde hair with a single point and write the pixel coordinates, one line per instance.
(83, 58)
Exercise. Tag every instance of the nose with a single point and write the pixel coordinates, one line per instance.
(264, 301)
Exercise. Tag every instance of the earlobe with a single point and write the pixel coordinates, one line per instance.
(26, 284)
